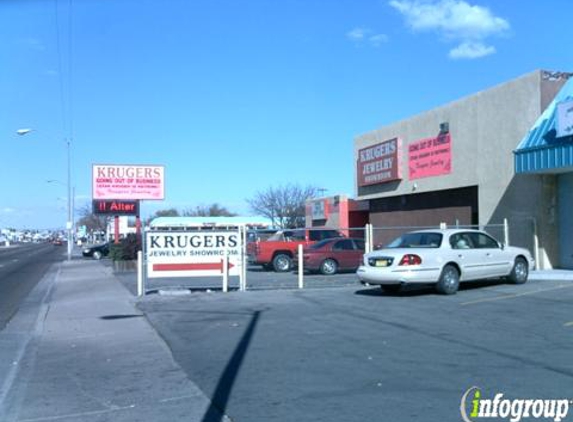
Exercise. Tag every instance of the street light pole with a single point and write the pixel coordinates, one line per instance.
(69, 223)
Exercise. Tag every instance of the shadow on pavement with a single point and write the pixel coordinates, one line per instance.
(224, 387)
(427, 289)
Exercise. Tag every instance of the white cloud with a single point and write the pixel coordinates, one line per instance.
(471, 50)
(455, 20)
(33, 43)
(379, 39)
(359, 35)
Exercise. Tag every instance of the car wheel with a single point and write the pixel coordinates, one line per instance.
(449, 281)
(520, 271)
(282, 263)
(328, 267)
(97, 255)
(391, 288)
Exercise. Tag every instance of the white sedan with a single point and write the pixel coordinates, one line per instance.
(445, 257)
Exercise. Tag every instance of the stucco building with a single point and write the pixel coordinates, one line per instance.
(455, 164)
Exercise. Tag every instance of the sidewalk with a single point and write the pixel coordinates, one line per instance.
(79, 350)
(564, 275)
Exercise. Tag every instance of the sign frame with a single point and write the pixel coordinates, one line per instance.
(199, 253)
(379, 163)
(128, 182)
(430, 157)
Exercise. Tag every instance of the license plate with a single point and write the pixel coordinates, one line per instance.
(381, 262)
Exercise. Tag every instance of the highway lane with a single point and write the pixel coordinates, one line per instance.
(21, 268)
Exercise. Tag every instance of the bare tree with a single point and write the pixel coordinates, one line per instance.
(283, 205)
(93, 222)
(171, 212)
(213, 210)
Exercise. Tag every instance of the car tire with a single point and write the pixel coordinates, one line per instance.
(97, 255)
(391, 288)
(282, 263)
(449, 281)
(328, 267)
(519, 272)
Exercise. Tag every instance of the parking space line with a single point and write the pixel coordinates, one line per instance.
(492, 299)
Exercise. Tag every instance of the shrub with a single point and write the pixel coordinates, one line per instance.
(125, 250)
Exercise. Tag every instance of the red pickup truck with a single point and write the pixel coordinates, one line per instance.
(277, 251)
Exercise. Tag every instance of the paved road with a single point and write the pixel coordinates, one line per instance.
(356, 354)
(21, 268)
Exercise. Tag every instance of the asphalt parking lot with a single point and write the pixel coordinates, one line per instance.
(257, 279)
(345, 352)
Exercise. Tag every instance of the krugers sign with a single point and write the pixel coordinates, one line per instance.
(110, 181)
(115, 207)
(379, 163)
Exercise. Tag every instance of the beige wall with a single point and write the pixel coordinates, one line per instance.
(485, 128)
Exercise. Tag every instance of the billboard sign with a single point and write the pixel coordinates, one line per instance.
(115, 207)
(379, 163)
(430, 157)
(110, 181)
(192, 254)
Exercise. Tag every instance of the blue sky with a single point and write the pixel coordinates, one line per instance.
(235, 96)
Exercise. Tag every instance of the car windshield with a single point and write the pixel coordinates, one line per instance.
(417, 240)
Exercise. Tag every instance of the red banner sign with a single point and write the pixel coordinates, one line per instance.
(379, 163)
(430, 157)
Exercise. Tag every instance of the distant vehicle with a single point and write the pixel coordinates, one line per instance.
(445, 258)
(57, 242)
(277, 251)
(330, 256)
(96, 251)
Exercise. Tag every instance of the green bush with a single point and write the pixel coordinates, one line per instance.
(125, 250)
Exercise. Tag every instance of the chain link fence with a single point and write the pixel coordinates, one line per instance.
(263, 277)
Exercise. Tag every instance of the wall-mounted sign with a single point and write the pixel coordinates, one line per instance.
(430, 157)
(379, 163)
(115, 207)
(319, 209)
(565, 118)
(192, 254)
(111, 181)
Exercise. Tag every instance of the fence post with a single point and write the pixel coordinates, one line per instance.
(243, 275)
(368, 238)
(225, 273)
(506, 231)
(140, 284)
(300, 268)
(371, 236)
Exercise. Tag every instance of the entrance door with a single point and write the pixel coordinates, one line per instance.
(565, 200)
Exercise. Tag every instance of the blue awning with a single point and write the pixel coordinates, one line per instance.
(541, 151)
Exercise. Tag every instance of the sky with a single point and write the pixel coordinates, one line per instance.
(236, 96)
